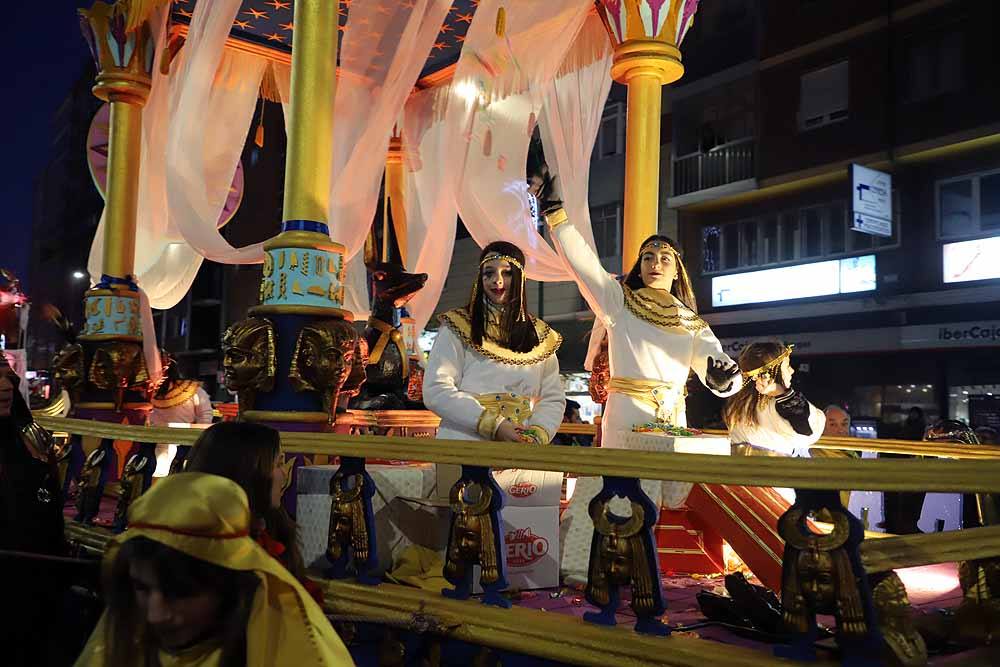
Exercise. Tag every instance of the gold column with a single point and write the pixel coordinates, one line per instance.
(124, 148)
(125, 63)
(395, 198)
(310, 127)
(646, 57)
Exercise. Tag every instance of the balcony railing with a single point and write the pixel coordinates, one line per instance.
(953, 468)
(722, 165)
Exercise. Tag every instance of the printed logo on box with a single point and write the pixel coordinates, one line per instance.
(525, 548)
(522, 489)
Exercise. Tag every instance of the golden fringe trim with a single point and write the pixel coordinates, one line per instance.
(549, 340)
(137, 12)
(662, 315)
(269, 90)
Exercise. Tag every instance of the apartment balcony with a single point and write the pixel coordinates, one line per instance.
(725, 169)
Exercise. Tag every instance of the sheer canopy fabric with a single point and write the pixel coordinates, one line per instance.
(498, 90)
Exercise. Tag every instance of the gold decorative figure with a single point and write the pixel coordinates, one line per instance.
(68, 369)
(118, 366)
(88, 491)
(819, 579)
(621, 559)
(977, 618)
(130, 488)
(347, 519)
(904, 645)
(359, 363)
(323, 360)
(473, 534)
(248, 351)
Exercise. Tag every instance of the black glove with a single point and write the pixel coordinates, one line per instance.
(550, 194)
(793, 407)
(719, 375)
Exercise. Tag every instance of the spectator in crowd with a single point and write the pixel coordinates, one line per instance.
(571, 415)
(187, 584)
(902, 509)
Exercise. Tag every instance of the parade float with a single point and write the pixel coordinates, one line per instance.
(448, 135)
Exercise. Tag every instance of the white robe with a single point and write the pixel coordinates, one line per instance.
(775, 433)
(636, 348)
(456, 374)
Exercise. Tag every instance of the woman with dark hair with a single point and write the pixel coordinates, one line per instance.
(187, 585)
(493, 372)
(767, 416)
(176, 401)
(250, 455)
(655, 337)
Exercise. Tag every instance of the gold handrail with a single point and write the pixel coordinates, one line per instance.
(558, 637)
(934, 475)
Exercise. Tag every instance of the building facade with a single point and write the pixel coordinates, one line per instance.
(882, 323)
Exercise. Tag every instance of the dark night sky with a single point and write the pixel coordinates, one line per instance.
(44, 53)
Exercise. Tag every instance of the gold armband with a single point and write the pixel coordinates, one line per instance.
(556, 218)
(489, 422)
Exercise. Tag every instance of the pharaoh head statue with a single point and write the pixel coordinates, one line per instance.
(68, 368)
(818, 576)
(323, 359)
(118, 366)
(248, 350)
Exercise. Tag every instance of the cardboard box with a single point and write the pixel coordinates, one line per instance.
(398, 523)
(531, 535)
(529, 488)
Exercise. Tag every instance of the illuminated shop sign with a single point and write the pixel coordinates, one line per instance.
(837, 276)
(971, 260)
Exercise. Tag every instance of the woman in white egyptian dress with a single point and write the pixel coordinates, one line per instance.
(655, 337)
(493, 372)
(767, 417)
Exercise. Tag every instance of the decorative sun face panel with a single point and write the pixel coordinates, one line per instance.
(270, 22)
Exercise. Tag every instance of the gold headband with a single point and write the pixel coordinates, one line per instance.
(768, 369)
(656, 245)
(506, 258)
(522, 314)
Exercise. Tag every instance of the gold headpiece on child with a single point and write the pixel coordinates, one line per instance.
(768, 370)
(655, 245)
(496, 256)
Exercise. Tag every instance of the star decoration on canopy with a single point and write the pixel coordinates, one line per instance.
(270, 22)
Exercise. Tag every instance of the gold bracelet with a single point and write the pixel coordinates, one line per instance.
(556, 218)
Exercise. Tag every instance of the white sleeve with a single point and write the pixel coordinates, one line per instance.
(202, 407)
(602, 292)
(551, 406)
(707, 346)
(442, 378)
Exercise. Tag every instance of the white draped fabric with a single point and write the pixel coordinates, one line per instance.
(499, 87)
(429, 179)
(165, 266)
(468, 140)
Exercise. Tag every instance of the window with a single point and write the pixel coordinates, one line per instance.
(611, 134)
(969, 206)
(606, 222)
(789, 237)
(935, 65)
(823, 96)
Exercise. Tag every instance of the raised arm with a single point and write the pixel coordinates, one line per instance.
(441, 381)
(713, 366)
(602, 292)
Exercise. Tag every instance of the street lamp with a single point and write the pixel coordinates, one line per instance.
(79, 275)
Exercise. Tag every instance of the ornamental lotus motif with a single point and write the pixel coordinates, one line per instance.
(662, 20)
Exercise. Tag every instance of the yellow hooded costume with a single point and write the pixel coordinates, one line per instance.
(208, 517)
